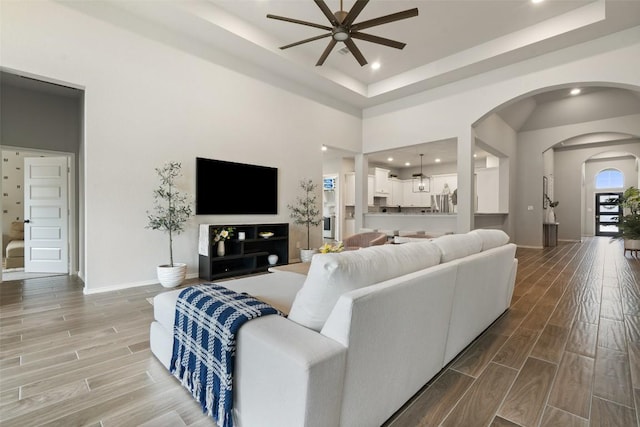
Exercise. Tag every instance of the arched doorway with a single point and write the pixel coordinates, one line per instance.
(554, 133)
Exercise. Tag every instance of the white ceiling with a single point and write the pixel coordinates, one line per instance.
(448, 40)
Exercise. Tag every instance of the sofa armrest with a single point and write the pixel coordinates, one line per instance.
(287, 375)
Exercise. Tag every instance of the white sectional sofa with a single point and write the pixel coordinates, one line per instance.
(366, 329)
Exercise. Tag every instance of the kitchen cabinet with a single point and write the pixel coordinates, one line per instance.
(350, 189)
(382, 184)
(371, 183)
(396, 197)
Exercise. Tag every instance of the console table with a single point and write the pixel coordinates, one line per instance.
(550, 231)
(243, 256)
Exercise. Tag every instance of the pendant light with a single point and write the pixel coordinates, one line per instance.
(421, 185)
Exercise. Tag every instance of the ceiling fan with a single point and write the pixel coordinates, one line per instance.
(344, 29)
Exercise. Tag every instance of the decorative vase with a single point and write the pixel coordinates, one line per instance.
(551, 216)
(220, 248)
(273, 259)
(307, 254)
(170, 277)
(631, 245)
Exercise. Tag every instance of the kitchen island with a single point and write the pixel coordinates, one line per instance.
(436, 223)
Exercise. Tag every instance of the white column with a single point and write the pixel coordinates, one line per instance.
(362, 206)
(466, 144)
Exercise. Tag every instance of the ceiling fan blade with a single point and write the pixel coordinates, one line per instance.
(305, 41)
(378, 40)
(385, 19)
(297, 21)
(326, 52)
(355, 52)
(354, 12)
(327, 12)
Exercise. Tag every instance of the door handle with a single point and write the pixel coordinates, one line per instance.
(26, 221)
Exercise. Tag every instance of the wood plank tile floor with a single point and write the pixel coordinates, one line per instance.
(567, 353)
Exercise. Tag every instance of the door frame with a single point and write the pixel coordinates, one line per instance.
(598, 213)
(72, 200)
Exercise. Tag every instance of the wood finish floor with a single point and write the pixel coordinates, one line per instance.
(567, 353)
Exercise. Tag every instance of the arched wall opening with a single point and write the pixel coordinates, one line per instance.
(558, 152)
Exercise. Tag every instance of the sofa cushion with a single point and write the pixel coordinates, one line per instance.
(276, 289)
(331, 275)
(454, 246)
(491, 238)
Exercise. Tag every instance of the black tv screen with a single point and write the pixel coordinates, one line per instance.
(229, 188)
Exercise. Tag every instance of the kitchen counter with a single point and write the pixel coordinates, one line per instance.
(436, 222)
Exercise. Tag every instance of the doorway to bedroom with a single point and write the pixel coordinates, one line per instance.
(41, 121)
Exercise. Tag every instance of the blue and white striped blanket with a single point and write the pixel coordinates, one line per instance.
(207, 320)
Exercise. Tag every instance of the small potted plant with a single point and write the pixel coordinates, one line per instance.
(219, 236)
(629, 222)
(170, 213)
(306, 212)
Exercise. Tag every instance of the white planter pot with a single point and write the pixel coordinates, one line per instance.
(631, 245)
(307, 254)
(170, 277)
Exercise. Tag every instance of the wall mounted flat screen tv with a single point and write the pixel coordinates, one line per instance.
(229, 188)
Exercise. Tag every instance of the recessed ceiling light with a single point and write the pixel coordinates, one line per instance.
(437, 160)
(375, 65)
(324, 148)
(390, 159)
(407, 164)
(575, 91)
(475, 155)
(537, 1)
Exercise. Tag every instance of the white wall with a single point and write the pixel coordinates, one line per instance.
(450, 111)
(146, 103)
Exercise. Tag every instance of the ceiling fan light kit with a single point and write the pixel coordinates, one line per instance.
(344, 29)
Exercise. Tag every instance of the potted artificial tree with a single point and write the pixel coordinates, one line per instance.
(171, 212)
(629, 222)
(306, 212)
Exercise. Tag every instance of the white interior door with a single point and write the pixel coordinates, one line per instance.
(46, 228)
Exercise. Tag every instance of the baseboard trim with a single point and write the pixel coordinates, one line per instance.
(129, 285)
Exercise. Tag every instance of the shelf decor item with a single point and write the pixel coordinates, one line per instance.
(307, 213)
(171, 211)
(551, 215)
(328, 248)
(220, 235)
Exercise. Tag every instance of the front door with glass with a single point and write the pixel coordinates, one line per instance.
(607, 211)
